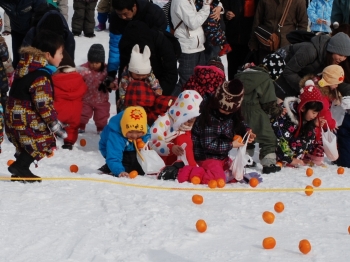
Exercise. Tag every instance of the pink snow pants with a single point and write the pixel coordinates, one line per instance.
(99, 111)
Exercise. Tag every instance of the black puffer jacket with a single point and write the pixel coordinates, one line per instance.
(163, 59)
(302, 59)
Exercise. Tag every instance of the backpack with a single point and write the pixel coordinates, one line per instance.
(173, 40)
(298, 36)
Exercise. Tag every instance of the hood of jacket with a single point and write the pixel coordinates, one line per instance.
(51, 12)
(253, 77)
(320, 43)
(31, 60)
(289, 103)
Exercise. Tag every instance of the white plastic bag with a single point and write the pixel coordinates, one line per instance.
(240, 160)
(329, 141)
(183, 158)
(152, 163)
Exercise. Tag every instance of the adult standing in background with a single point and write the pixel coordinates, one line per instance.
(341, 11)
(20, 13)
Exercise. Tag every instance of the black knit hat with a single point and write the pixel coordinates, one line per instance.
(216, 61)
(96, 54)
(229, 96)
(275, 65)
(53, 22)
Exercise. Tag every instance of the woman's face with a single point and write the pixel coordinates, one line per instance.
(337, 59)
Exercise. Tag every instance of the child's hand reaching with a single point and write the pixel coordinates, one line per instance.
(284, 111)
(236, 144)
(297, 162)
(177, 150)
(251, 137)
(123, 174)
(320, 121)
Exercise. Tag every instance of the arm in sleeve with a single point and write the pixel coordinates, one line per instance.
(311, 12)
(114, 55)
(301, 16)
(280, 139)
(215, 143)
(337, 12)
(115, 149)
(191, 18)
(157, 142)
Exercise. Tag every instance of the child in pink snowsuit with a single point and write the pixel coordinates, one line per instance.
(95, 100)
(213, 132)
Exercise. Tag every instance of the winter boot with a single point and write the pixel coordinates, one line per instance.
(269, 164)
(100, 27)
(271, 169)
(20, 169)
(170, 172)
(89, 35)
(67, 145)
(104, 169)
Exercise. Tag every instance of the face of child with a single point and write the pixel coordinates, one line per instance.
(127, 14)
(139, 77)
(133, 135)
(310, 114)
(95, 66)
(337, 59)
(224, 112)
(190, 122)
(56, 59)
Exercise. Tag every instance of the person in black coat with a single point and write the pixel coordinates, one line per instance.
(163, 59)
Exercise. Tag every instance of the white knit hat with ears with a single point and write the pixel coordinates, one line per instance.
(140, 63)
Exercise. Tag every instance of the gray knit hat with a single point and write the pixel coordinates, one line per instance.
(339, 44)
(96, 54)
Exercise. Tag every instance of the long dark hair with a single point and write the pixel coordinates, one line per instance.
(309, 125)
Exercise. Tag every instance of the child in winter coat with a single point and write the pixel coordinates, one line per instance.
(95, 100)
(69, 88)
(118, 140)
(319, 13)
(173, 129)
(259, 103)
(327, 83)
(84, 17)
(31, 119)
(295, 129)
(213, 132)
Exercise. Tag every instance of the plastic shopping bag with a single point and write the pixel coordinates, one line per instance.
(329, 141)
(240, 160)
(183, 158)
(150, 162)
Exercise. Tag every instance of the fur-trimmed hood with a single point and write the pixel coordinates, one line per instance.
(66, 69)
(31, 59)
(289, 103)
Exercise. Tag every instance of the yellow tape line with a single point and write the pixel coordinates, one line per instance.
(251, 190)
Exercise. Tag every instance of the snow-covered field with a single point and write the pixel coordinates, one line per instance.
(103, 218)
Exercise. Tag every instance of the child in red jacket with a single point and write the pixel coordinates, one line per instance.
(69, 89)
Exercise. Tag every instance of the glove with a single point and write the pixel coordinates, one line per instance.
(104, 86)
(56, 127)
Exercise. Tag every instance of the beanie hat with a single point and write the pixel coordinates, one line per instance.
(96, 54)
(332, 75)
(185, 107)
(216, 61)
(53, 22)
(140, 63)
(339, 44)
(229, 96)
(274, 63)
(134, 119)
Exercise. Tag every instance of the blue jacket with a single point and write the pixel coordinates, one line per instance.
(340, 11)
(20, 13)
(320, 9)
(113, 144)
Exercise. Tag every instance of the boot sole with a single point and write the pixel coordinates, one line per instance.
(16, 176)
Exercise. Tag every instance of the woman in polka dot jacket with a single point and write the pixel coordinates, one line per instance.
(173, 129)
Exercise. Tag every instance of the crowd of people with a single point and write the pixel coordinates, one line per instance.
(172, 94)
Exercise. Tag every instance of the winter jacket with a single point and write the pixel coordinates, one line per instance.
(340, 11)
(62, 5)
(69, 42)
(93, 80)
(269, 13)
(20, 13)
(190, 32)
(113, 144)
(4, 55)
(303, 58)
(320, 9)
(147, 12)
(285, 128)
(69, 89)
(163, 59)
(27, 120)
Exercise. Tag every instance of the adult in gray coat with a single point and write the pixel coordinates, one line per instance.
(310, 58)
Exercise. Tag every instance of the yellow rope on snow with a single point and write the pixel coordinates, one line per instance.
(232, 190)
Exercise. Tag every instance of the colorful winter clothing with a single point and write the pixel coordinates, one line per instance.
(28, 118)
(320, 9)
(83, 19)
(168, 126)
(94, 100)
(4, 84)
(116, 148)
(69, 89)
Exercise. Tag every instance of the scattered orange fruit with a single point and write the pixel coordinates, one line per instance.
(82, 142)
(269, 243)
(73, 168)
(133, 174)
(10, 162)
(212, 184)
(197, 199)
(253, 182)
(140, 144)
(195, 180)
(201, 226)
(268, 217)
(309, 171)
(349, 229)
(51, 155)
(340, 170)
(304, 246)
(279, 207)
(238, 138)
(279, 164)
(220, 183)
(317, 182)
(310, 191)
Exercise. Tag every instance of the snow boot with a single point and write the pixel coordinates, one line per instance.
(20, 169)
(100, 27)
(67, 145)
(271, 169)
(104, 169)
(171, 172)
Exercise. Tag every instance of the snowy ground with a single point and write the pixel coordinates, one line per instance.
(144, 219)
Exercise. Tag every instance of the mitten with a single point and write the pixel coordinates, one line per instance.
(104, 86)
(56, 127)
